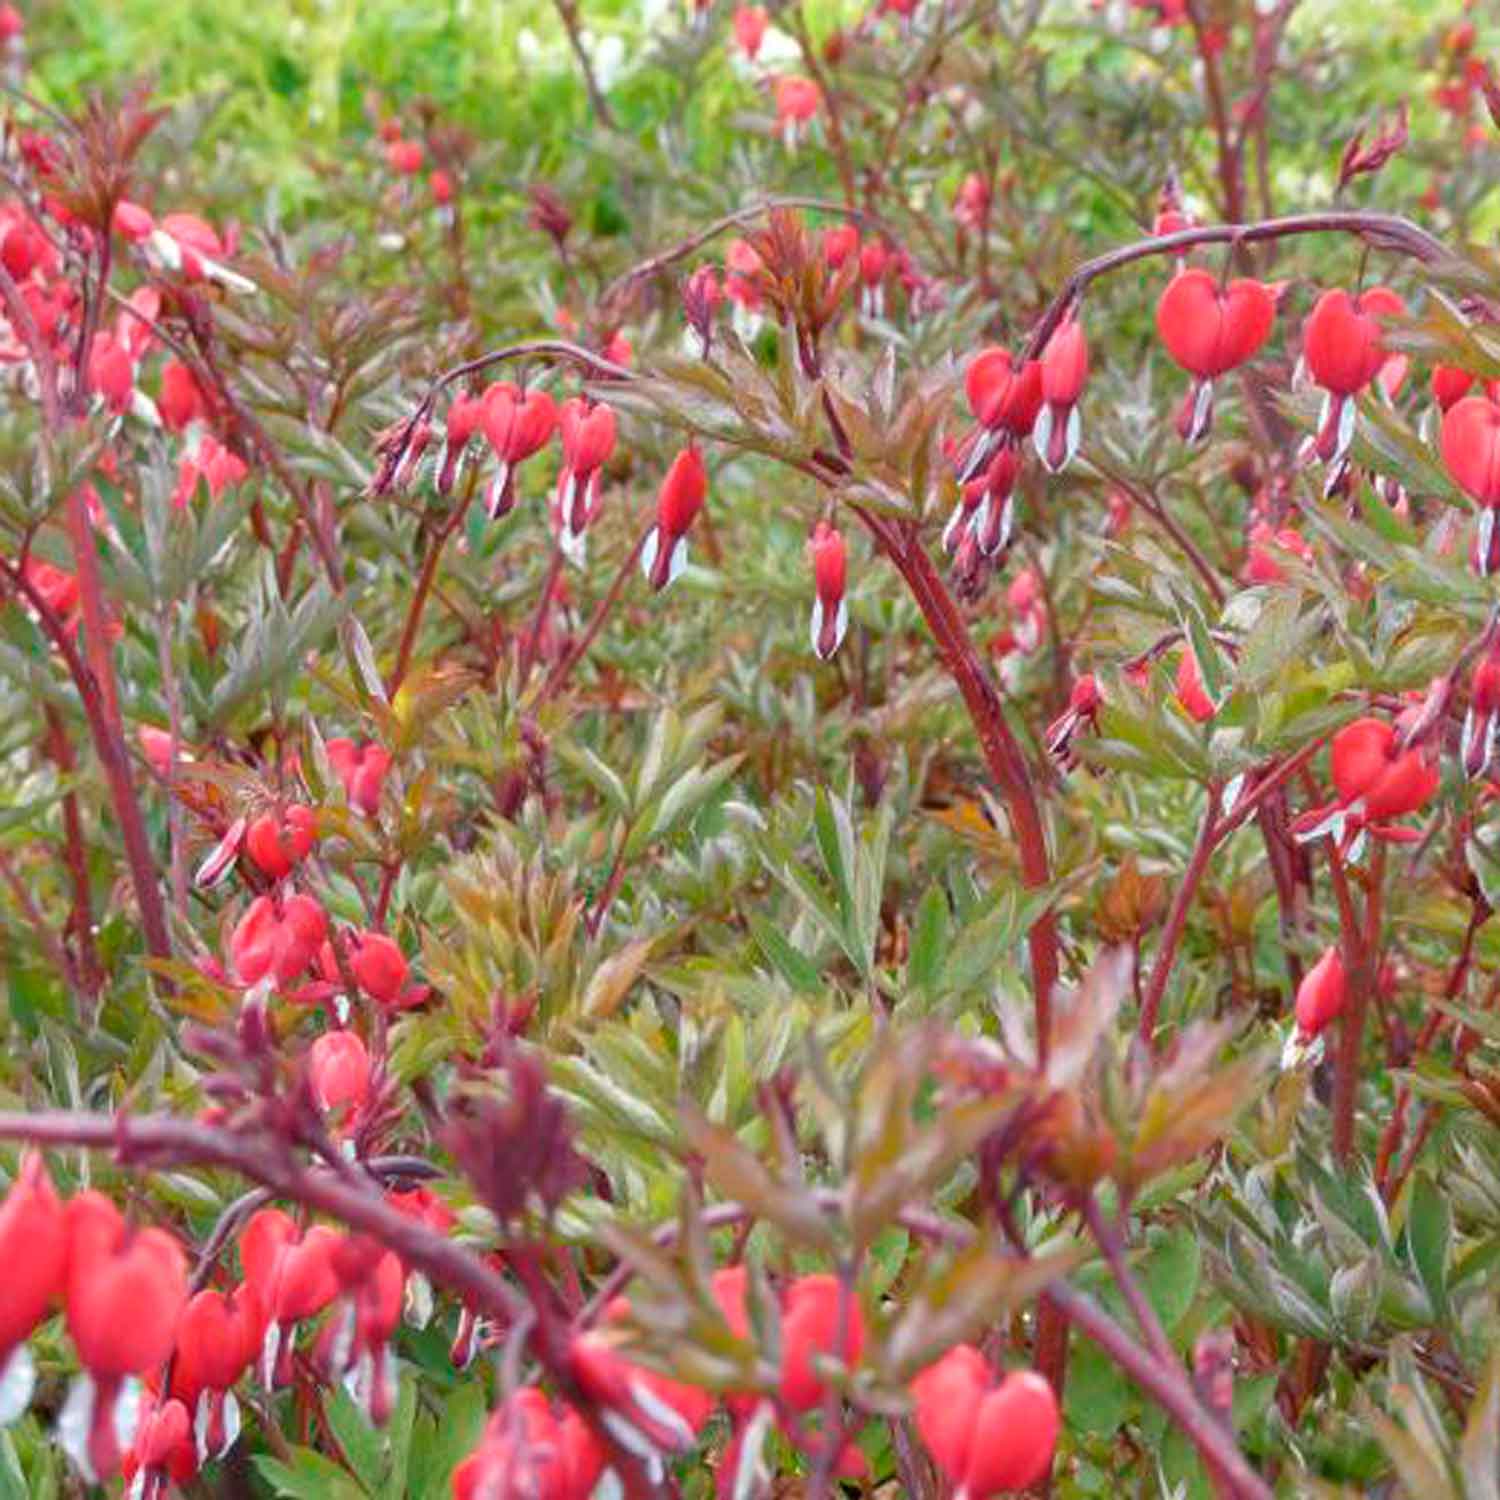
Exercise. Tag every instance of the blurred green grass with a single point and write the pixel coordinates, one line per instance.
(271, 88)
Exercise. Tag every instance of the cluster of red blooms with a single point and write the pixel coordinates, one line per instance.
(987, 1437)
(160, 1361)
(406, 158)
(178, 251)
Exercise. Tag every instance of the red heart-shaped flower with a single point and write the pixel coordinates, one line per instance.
(1471, 448)
(1209, 329)
(1341, 338)
(986, 1438)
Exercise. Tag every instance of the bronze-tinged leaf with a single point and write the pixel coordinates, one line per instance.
(1131, 904)
(740, 1175)
(961, 1298)
(610, 983)
(1191, 1105)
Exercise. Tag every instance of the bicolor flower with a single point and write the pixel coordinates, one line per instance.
(1084, 701)
(528, 1448)
(664, 554)
(1343, 352)
(293, 1279)
(34, 1250)
(1065, 372)
(1210, 329)
(465, 414)
(1375, 781)
(797, 103)
(516, 424)
(588, 440)
(830, 612)
(1481, 732)
(1470, 443)
(126, 1289)
(217, 1340)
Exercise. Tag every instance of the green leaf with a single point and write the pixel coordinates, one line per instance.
(1170, 1273)
(1098, 1396)
(1429, 1234)
(795, 967)
(928, 940)
(438, 1446)
(309, 1476)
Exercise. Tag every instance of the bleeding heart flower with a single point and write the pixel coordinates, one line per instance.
(750, 23)
(527, 1450)
(182, 401)
(1374, 781)
(362, 770)
(382, 971)
(642, 1404)
(354, 1346)
(1001, 395)
(217, 1340)
(1481, 733)
(125, 1292)
(971, 203)
(664, 555)
(277, 843)
(830, 612)
(1191, 693)
(111, 373)
(1370, 772)
(990, 503)
(1450, 385)
(1065, 372)
(588, 440)
(1471, 453)
(465, 416)
(814, 1328)
(163, 1453)
(405, 157)
(34, 1250)
(797, 103)
(874, 258)
(839, 242)
(1209, 330)
(293, 1279)
(338, 1069)
(212, 463)
(1321, 996)
(1261, 565)
(1341, 344)
(986, 1437)
(1084, 702)
(516, 423)
(277, 942)
(57, 590)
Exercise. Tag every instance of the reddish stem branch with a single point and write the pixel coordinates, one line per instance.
(1383, 231)
(110, 748)
(1002, 753)
(163, 1140)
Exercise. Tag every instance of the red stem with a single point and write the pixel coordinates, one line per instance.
(1384, 231)
(341, 1197)
(1002, 754)
(110, 748)
(1166, 953)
